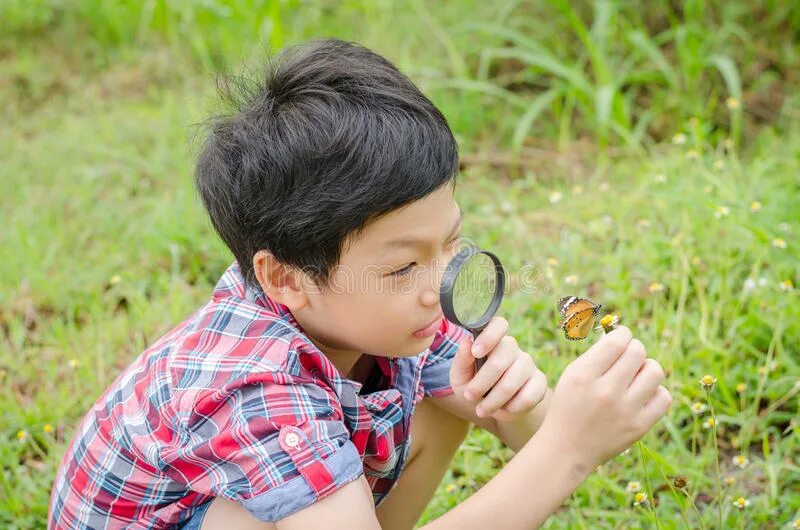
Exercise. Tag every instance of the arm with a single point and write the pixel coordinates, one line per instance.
(605, 400)
(515, 434)
(541, 471)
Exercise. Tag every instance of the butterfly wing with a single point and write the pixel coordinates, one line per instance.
(564, 303)
(577, 316)
(578, 325)
(569, 305)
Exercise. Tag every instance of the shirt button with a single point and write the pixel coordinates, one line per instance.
(292, 439)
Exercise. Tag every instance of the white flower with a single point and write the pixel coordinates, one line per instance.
(722, 211)
(572, 279)
(741, 503)
(698, 408)
(779, 242)
(555, 197)
(740, 461)
(633, 487)
(679, 139)
(660, 178)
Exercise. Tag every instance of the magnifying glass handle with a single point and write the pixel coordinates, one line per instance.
(479, 362)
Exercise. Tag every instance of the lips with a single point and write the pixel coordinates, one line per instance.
(430, 328)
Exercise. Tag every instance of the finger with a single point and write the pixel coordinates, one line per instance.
(497, 363)
(491, 335)
(656, 407)
(509, 384)
(605, 352)
(646, 382)
(462, 368)
(624, 370)
(530, 395)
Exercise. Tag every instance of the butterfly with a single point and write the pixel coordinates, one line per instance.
(577, 316)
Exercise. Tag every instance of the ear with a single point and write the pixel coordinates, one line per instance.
(279, 281)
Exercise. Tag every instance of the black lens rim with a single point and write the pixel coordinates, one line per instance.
(448, 284)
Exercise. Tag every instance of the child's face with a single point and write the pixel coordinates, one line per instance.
(386, 285)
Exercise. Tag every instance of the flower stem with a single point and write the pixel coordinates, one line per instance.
(673, 489)
(699, 515)
(647, 484)
(716, 457)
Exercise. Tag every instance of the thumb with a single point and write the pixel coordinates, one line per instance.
(462, 369)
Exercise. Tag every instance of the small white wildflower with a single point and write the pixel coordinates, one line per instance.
(708, 382)
(741, 503)
(740, 461)
(779, 242)
(633, 487)
(698, 408)
(640, 499)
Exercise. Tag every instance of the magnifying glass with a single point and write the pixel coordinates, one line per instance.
(472, 289)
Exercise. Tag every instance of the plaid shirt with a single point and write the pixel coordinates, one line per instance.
(237, 402)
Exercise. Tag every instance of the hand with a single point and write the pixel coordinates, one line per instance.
(514, 384)
(606, 399)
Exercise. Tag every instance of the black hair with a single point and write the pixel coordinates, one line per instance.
(333, 137)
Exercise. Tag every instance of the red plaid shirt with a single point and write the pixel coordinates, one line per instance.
(237, 402)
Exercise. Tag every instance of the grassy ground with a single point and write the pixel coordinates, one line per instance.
(614, 161)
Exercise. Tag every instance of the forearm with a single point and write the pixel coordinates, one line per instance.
(524, 493)
(515, 434)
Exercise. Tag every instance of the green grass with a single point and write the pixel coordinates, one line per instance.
(105, 247)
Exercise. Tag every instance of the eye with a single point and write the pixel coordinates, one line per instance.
(405, 270)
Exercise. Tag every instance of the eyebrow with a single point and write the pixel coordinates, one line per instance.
(412, 242)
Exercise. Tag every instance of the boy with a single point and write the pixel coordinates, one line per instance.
(322, 366)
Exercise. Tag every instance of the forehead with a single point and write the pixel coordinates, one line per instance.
(428, 219)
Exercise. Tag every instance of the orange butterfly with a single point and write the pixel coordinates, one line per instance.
(577, 316)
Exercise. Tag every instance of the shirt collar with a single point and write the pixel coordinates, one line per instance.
(232, 284)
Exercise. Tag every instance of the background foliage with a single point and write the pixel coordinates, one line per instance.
(644, 154)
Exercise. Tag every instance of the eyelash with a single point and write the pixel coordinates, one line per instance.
(408, 268)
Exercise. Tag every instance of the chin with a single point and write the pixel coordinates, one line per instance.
(416, 347)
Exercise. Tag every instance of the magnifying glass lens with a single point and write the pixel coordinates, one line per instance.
(474, 289)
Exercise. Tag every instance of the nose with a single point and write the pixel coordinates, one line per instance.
(430, 294)
(429, 297)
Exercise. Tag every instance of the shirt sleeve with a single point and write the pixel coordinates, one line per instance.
(436, 364)
(274, 448)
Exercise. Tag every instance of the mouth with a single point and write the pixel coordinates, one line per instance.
(431, 328)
